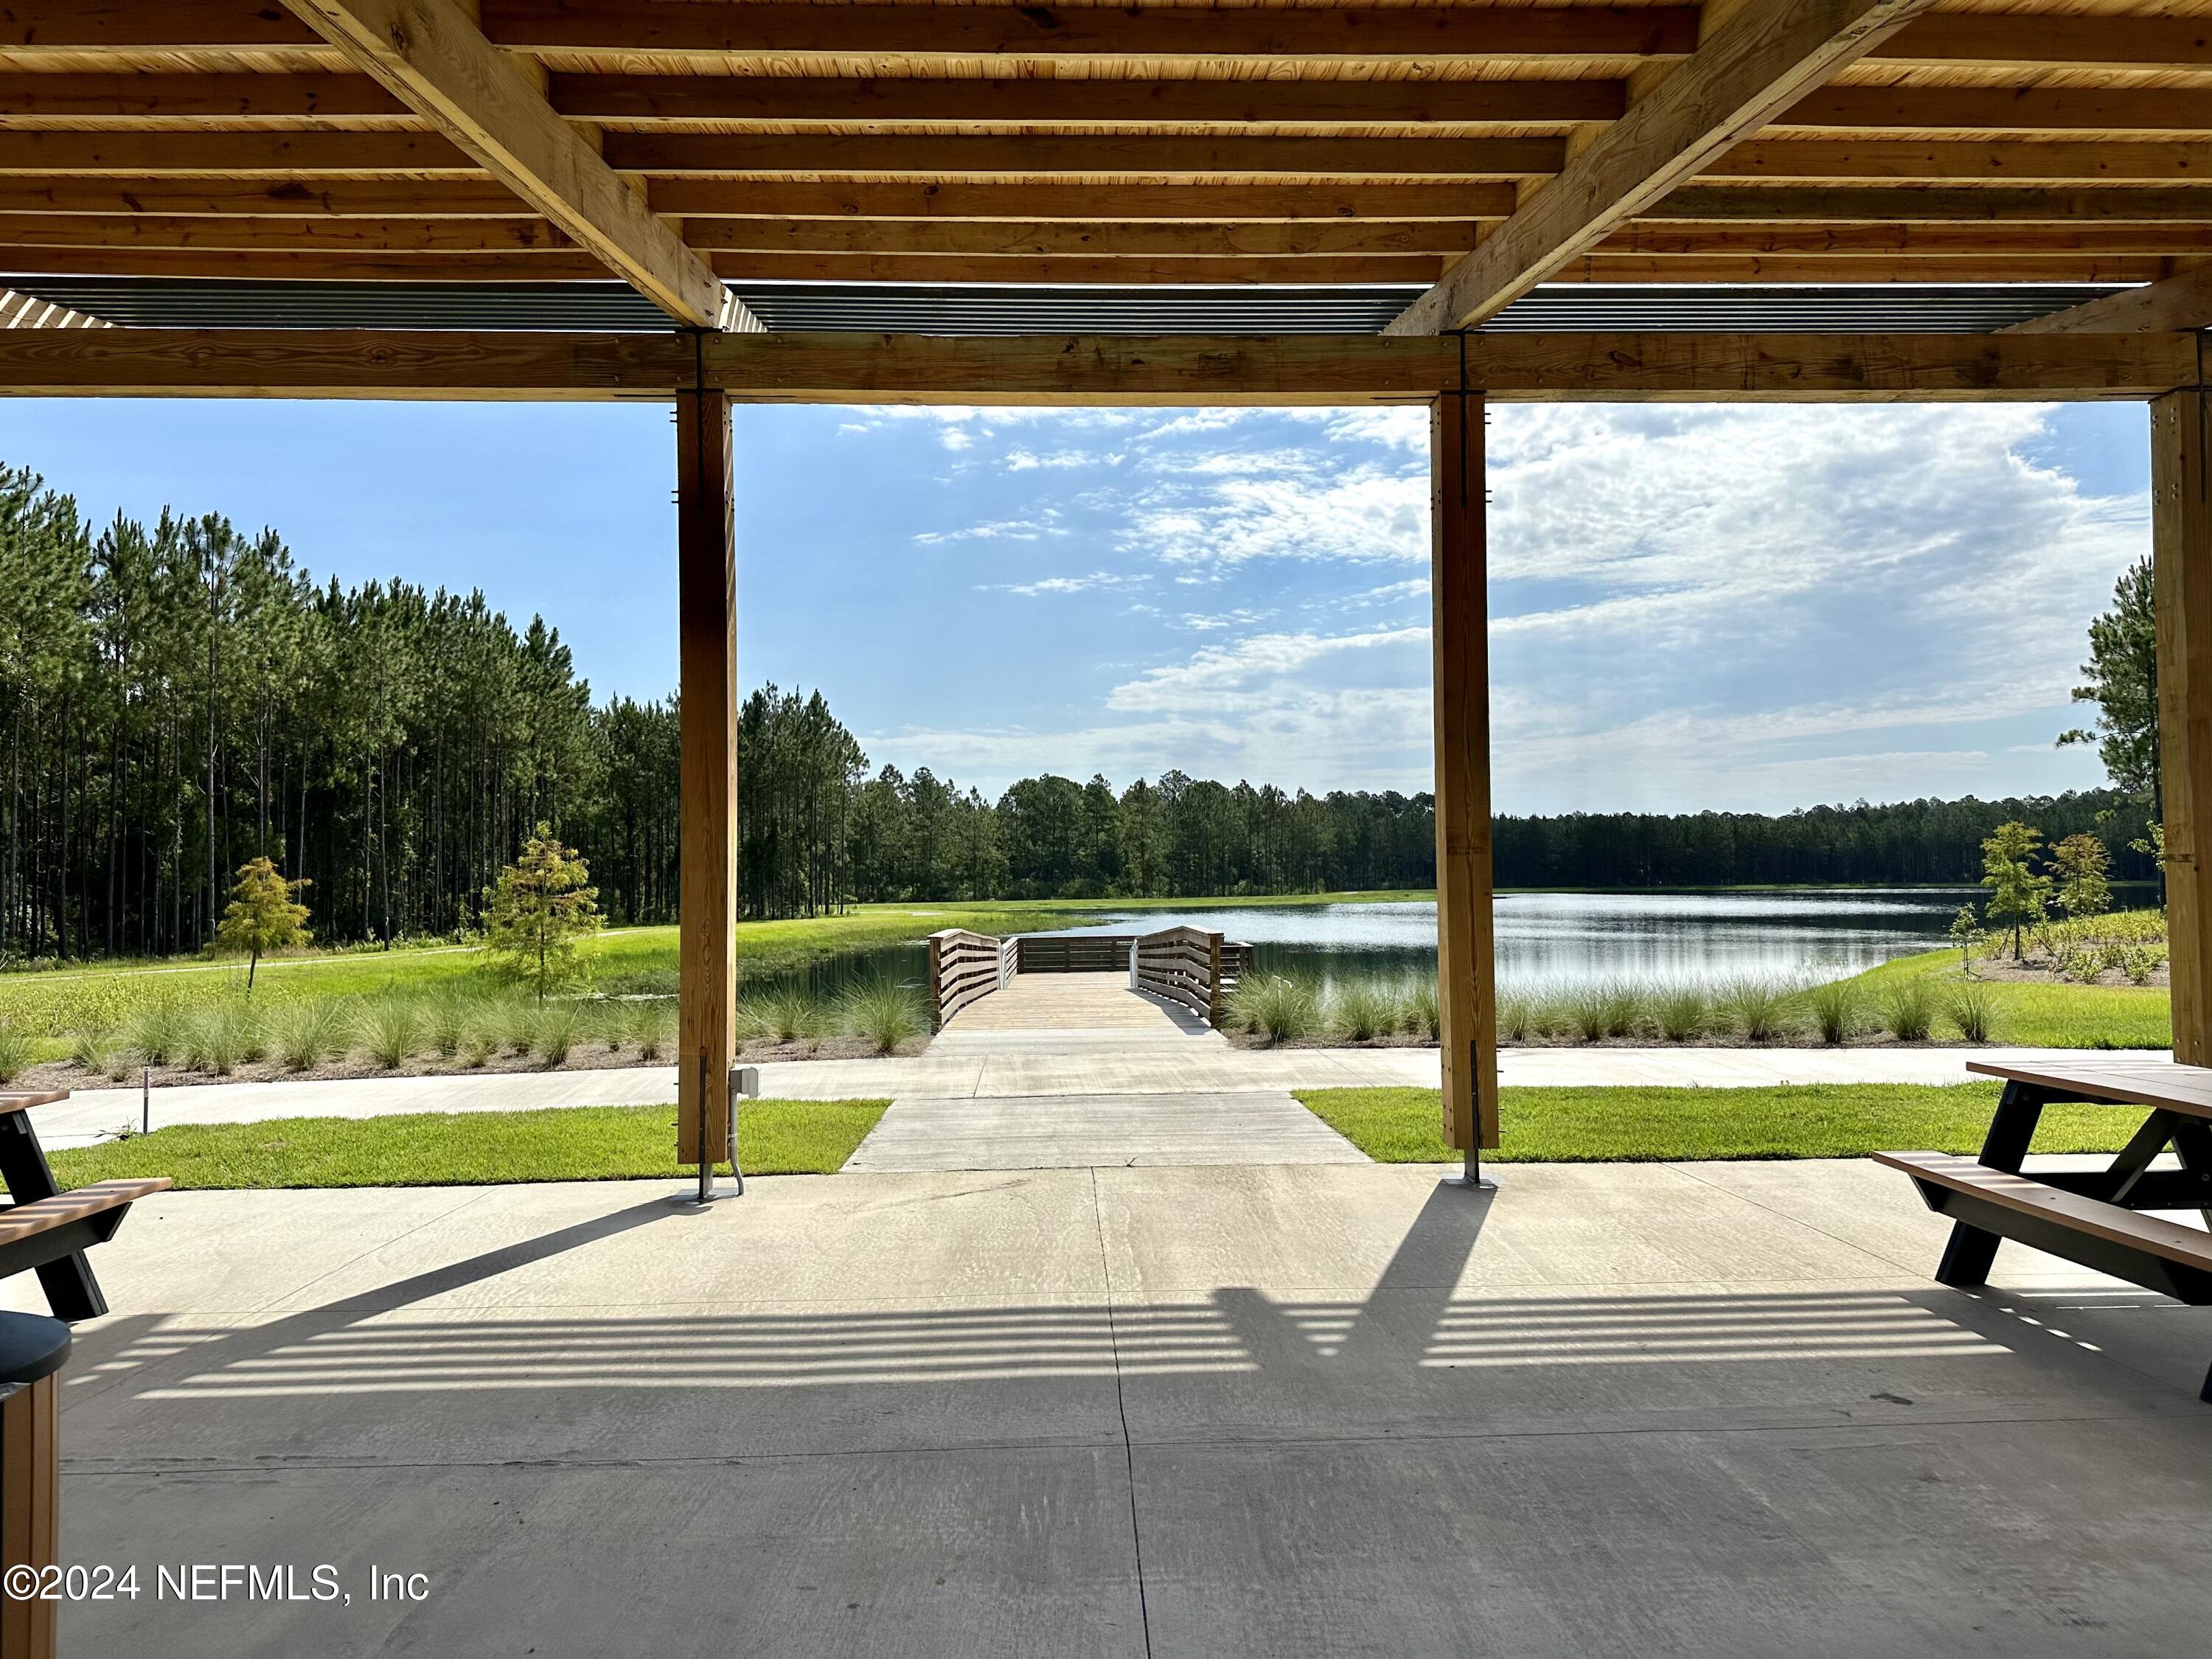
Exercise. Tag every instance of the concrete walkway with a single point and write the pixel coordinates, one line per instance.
(1016, 1065)
(1708, 1410)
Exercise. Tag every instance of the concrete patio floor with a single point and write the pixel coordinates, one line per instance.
(1699, 1410)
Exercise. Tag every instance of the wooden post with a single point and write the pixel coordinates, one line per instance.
(1466, 1007)
(2181, 558)
(30, 1505)
(707, 677)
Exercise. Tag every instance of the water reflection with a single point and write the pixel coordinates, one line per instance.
(1552, 939)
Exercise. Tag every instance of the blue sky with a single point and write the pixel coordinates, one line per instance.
(1693, 606)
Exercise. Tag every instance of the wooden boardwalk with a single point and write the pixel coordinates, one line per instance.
(1095, 1020)
(1074, 1002)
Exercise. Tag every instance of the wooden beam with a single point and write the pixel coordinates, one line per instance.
(1316, 369)
(30, 1511)
(713, 32)
(891, 238)
(1467, 972)
(430, 54)
(2179, 302)
(2045, 40)
(2181, 560)
(231, 155)
(28, 311)
(306, 265)
(266, 198)
(1942, 161)
(1079, 203)
(1760, 59)
(1992, 204)
(1899, 243)
(77, 27)
(371, 237)
(1844, 268)
(1027, 102)
(706, 667)
(193, 97)
(2004, 109)
(1104, 156)
(1409, 268)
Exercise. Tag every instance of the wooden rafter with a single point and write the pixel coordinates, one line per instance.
(2183, 300)
(1758, 61)
(431, 55)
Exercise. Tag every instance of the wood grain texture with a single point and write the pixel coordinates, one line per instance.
(924, 156)
(2179, 302)
(1445, 200)
(30, 1509)
(2137, 1080)
(1911, 160)
(1758, 60)
(1459, 575)
(2192, 1246)
(2181, 560)
(707, 668)
(430, 54)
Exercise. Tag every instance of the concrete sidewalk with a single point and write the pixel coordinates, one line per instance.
(1077, 1063)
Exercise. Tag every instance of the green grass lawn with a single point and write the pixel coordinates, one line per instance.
(2061, 1016)
(441, 1149)
(1822, 1120)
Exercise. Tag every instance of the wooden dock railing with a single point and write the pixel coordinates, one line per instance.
(963, 968)
(1191, 968)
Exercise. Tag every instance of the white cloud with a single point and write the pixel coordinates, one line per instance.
(1096, 579)
(997, 530)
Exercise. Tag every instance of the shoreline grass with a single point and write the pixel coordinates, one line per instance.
(2031, 1014)
(1652, 1125)
(469, 1149)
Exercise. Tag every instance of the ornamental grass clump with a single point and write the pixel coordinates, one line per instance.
(15, 1051)
(217, 1036)
(1280, 1010)
(652, 1027)
(553, 1033)
(1908, 1009)
(155, 1031)
(307, 1032)
(391, 1031)
(882, 1013)
(1422, 1016)
(1838, 1009)
(1682, 1013)
(786, 1014)
(1364, 1009)
(1971, 1010)
(1758, 1010)
(447, 1018)
(1516, 1019)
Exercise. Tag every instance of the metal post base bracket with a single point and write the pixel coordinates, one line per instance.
(744, 1083)
(1472, 1178)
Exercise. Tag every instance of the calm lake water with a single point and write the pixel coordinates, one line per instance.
(1551, 938)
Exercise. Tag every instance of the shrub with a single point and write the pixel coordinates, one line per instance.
(652, 1027)
(391, 1029)
(1908, 1009)
(1683, 1013)
(1972, 1009)
(155, 1031)
(1758, 1009)
(1838, 1009)
(1364, 1009)
(15, 1051)
(1278, 1009)
(883, 1012)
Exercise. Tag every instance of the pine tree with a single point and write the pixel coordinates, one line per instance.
(2016, 892)
(537, 912)
(261, 916)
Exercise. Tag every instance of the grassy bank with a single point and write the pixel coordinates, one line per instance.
(2041, 1015)
(1579, 1126)
(434, 1149)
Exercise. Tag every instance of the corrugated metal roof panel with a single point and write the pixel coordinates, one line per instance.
(976, 308)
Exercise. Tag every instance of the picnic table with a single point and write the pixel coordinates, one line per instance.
(47, 1230)
(2092, 1217)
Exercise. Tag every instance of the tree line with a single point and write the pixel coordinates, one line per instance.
(179, 699)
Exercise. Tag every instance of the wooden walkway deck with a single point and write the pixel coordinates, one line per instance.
(1096, 1021)
(1073, 1002)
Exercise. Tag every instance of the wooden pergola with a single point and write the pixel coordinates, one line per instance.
(1449, 171)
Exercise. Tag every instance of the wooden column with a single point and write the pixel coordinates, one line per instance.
(2181, 557)
(707, 679)
(1466, 1003)
(30, 1506)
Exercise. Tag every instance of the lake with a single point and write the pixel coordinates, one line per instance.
(1549, 939)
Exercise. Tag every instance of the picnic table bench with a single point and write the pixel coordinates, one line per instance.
(46, 1231)
(2092, 1217)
